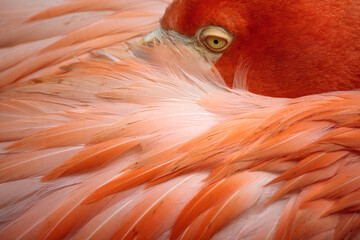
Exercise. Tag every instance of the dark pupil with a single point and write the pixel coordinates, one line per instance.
(216, 41)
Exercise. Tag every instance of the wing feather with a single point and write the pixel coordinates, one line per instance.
(91, 157)
(73, 133)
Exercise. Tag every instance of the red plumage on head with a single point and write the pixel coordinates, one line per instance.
(294, 48)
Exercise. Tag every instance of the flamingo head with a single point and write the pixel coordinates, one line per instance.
(284, 48)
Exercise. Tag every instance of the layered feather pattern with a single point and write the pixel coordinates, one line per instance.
(149, 143)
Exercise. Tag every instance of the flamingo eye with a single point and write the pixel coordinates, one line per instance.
(216, 43)
(216, 39)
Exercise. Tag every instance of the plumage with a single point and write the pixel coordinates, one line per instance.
(104, 139)
(292, 48)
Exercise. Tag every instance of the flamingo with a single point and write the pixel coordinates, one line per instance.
(104, 139)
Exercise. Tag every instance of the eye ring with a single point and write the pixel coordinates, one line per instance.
(215, 39)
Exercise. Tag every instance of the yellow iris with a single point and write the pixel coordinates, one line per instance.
(216, 43)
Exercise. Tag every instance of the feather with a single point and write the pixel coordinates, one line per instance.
(209, 197)
(347, 227)
(11, 110)
(91, 5)
(73, 133)
(91, 157)
(105, 224)
(304, 180)
(144, 222)
(125, 181)
(311, 163)
(350, 201)
(222, 214)
(71, 213)
(115, 24)
(23, 165)
(340, 185)
(26, 126)
(39, 30)
(27, 224)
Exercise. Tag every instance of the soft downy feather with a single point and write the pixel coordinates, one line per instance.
(154, 145)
